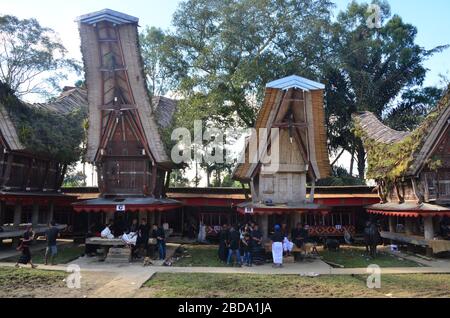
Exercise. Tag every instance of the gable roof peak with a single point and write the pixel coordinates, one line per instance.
(295, 81)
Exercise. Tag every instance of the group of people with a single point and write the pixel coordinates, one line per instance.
(241, 242)
(137, 237)
(244, 243)
(29, 236)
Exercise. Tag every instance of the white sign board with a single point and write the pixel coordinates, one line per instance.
(248, 210)
(120, 208)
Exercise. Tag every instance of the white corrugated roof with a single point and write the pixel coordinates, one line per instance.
(107, 15)
(297, 82)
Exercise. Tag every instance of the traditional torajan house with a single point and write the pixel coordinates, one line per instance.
(294, 106)
(124, 140)
(37, 143)
(412, 170)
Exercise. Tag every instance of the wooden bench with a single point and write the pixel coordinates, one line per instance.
(307, 249)
(17, 232)
(436, 245)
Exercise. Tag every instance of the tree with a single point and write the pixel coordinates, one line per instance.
(32, 58)
(367, 70)
(227, 50)
(413, 108)
(152, 49)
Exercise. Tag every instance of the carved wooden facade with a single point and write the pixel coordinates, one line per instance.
(123, 137)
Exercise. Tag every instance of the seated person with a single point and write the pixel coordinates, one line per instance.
(299, 235)
(287, 245)
(130, 238)
(106, 233)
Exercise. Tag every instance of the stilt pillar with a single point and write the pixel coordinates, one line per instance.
(152, 218)
(17, 214)
(392, 224)
(2, 213)
(409, 230)
(35, 215)
(264, 223)
(428, 227)
(51, 212)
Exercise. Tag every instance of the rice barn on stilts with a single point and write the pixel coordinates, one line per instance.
(293, 106)
(412, 171)
(37, 143)
(124, 140)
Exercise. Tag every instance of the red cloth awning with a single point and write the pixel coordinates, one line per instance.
(144, 204)
(409, 210)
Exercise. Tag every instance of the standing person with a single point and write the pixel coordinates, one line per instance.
(256, 235)
(299, 235)
(51, 235)
(247, 248)
(223, 243)
(234, 246)
(160, 241)
(277, 247)
(134, 226)
(25, 258)
(143, 236)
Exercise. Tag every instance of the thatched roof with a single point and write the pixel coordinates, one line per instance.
(132, 67)
(399, 153)
(164, 109)
(32, 127)
(274, 99)
(377, 130)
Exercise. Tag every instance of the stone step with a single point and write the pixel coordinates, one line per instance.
(118, 255)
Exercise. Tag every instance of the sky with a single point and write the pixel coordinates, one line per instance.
(430, 17)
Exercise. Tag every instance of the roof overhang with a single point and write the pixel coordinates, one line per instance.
(260, 208)
(295, 81)
(410, 210)
(138, 204)
(107, 15)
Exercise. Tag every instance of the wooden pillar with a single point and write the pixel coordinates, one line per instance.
(158, 218)
(264, 220)
(409, 226)
(152, 218)
(51, 212)
(392, 224)
(17, 214)
(428, 227)
(35, 215)
(2, 213)
(109, 216)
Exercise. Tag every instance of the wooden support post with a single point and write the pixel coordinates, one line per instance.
(51, 212)
(409, 226)
(264, 220)
(2, 213)
(17, 214)
(158, 218)
(392, 224)
(35, 215)
(428, 227)
(152, 218)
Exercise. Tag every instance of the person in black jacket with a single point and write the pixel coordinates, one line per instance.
(299, 235)
(223, 243)
(234, 246)
(160, 236)
(143, 236)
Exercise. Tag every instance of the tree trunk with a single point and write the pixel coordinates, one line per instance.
(208, 178)
(361, 155)
(352, 161)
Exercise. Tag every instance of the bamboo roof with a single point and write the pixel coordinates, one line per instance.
(71, 99)
(275, 95)
(426, 136)
(133, 66)
(377, 130)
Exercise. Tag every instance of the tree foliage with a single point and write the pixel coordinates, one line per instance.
(45, 132)
(32, 58)
(225, 51)
(368, 69)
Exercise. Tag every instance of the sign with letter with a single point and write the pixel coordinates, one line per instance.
(120, 208)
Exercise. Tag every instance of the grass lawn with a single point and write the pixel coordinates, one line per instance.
(66, 254)
(200, 255)
(25, 279)
(355, 257)
(290, 286)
